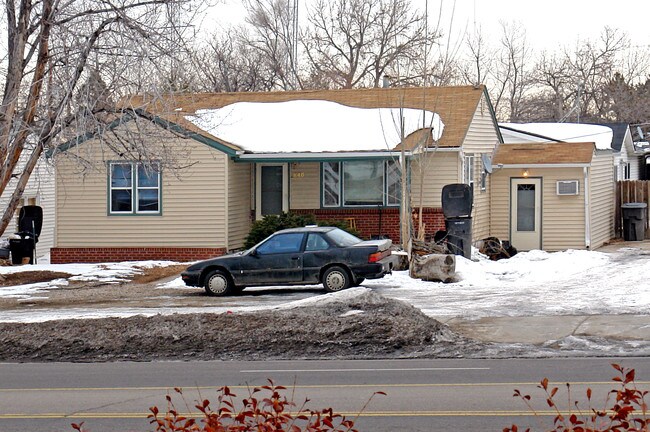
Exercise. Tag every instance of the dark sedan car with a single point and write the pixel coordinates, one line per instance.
(296, 256)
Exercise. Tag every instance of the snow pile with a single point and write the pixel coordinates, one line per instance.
(568, 132)
(312, 126)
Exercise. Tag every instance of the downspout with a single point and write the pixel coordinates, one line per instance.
(587, 210)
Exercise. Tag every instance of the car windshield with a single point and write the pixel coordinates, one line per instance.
(342, 238)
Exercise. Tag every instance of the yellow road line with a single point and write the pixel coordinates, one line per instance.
(316, 386)
(495, 413)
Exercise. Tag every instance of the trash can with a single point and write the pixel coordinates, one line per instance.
(459, 236)
(634, 219)
(21, 248)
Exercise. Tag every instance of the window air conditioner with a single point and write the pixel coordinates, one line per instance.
(568, 187)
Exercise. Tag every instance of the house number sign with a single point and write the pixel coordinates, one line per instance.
(297, 174)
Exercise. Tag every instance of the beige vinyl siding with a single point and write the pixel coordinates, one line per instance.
(239, 203)
(601, 187)
(436, 170)
(482, 206)
(481, 139)
(481, 135)
(193, 200)
(563, 217)
(304, 185)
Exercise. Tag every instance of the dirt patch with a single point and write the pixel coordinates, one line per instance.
(153, 274)
(29, 277)
(366, 326)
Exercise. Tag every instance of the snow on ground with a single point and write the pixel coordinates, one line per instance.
(532, 283)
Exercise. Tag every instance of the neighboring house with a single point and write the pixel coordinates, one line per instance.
(222, 160)
(39, 191)
(628, 162)
(551, 194)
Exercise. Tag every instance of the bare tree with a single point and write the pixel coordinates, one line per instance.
(353, 43)
(51, 45)
(273, 34)
(228, 63)
(512, 77)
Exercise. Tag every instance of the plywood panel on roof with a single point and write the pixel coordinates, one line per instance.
(544, 153)
(456, 105)
(193, 200)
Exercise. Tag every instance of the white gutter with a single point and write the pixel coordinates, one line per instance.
(442, 149)
(587, 210)
(534, 165)
(321, 155)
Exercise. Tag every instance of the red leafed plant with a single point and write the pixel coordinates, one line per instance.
(628, 411)
(265, 409)
(258, 413)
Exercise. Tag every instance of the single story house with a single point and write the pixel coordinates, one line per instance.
(553, 195)
(184, 176)
(628, 162)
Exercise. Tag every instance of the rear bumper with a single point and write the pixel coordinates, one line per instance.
(376, 270)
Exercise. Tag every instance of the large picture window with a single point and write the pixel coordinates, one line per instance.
(134, 188)
(361, 183)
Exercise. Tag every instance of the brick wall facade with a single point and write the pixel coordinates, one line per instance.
(117, 254)
(372, 222)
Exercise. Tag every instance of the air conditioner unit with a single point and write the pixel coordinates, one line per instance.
(568, 187)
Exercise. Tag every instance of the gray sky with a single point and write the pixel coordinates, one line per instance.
(549, 24)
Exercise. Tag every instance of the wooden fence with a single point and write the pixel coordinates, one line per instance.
(631, 191)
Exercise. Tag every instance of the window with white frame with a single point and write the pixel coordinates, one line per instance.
(134, 188)
(361, 183)
(468, 169)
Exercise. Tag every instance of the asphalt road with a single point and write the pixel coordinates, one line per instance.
(421, 395)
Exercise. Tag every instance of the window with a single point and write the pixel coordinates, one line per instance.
(484, 175)
(468, 169)
(134, 188)
(281, 243)
(331, 184)
(361, 183)
(627, 171)
(315, 242)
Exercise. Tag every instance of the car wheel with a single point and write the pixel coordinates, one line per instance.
(336, 279)
(218, 283)
(358, 281)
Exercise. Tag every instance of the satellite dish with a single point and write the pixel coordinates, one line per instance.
(487, 163)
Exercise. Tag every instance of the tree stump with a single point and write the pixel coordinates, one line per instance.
(433, 267)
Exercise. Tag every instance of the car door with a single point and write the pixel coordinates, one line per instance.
(276, 261)
(318, 253)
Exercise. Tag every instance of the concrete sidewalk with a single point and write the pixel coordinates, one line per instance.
(540, 329)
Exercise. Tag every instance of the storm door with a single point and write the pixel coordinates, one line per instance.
(526, 213)
(272, 186)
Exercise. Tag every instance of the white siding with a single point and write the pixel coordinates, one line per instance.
(563, 217)
(40, 187)
(481, 139)
(304, 185)
(430, 173)
(602, 196)
(193, 199)
(239, 203)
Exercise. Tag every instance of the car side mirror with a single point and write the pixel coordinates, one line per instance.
(253, 253)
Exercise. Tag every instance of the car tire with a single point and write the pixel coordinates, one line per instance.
(218, 283)
(336, 279)
(358, 281)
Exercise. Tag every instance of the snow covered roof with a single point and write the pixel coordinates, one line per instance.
(567, 132)
(314, 126)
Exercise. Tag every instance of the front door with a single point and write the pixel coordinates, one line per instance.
(272, 190)
(526, 213)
